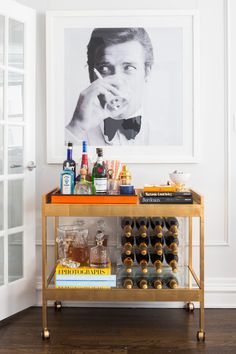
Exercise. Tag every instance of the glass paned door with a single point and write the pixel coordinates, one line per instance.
(17, 147)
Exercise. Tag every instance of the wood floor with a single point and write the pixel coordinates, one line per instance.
(118, 331)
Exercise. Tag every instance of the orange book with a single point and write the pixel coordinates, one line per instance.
(160, 188)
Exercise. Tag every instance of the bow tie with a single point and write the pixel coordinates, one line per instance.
(129, 127)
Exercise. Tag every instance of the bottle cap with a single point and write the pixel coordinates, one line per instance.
(69, 144)
(99, 151)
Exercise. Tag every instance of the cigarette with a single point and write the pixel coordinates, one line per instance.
(99, 76)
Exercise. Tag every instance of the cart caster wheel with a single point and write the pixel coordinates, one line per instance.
(57, 305)
(45, 334)
(189, 306)
(201, 336)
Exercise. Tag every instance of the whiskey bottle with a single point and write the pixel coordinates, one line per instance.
(128, 261)
(99, 174)
(157, 283)
(172, 260)
(142, 243)
(69, 163)
(157, 224)
(127, 243)
(128, 283)
(99, 254)
(172, 225)
(127, 225)
(142, 224)
(157, 242)
(172, 242)
(142, 283)
(171, 282)
(157, 261)
(142, 260)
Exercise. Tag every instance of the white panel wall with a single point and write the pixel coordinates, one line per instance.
(215, 174)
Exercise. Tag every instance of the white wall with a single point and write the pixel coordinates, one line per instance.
(213, 176)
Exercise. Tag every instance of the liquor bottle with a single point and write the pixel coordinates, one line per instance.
(142, 283)
(128, 261)
(99, 174)
(67, 181)
(142, 260)
(128, 283)
(84, 159)
(99, 254)
(172, 260)
(157, 261)
(83, 186)
(127, 243)
(142, 243)
(157, 224)
(127, 225)
(142, 224)
(172, 242)
(69, 163)
(172, 225)
(157, 242)
(171, 282)
(157, 283)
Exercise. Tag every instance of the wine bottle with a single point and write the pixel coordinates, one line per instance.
(171, 282)
(142, 283)
(127, 248)
(157, 224)
(128, 283)
(99, 174)
(172, 225)
(69, 163)
(172, 260)
(142, 260)
(142, 243)
(127, 225)
(128, 261)
(172, 242)
(157, 261)
(142, 224)
(157, 242)
(157, 283)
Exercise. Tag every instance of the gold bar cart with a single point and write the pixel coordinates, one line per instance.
(186, 294)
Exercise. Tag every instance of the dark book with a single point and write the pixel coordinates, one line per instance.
(166, 200)
(167, 194)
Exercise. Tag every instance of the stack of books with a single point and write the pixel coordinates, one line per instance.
(84, 277)
(165, 195)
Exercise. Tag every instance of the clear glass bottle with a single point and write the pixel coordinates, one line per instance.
(83, 186)
(99, 254)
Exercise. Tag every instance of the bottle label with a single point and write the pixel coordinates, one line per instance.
(66, 184)
(100, 185)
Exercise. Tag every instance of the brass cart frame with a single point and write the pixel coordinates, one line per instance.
(187, 294)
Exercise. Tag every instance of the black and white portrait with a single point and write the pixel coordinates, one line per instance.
(123, 86)
(123, 82)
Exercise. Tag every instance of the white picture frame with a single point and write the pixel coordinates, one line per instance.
(174, 96)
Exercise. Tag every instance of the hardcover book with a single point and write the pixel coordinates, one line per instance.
(83, 271)
(166, 200)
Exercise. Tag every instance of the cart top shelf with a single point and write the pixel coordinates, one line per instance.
(122, 209)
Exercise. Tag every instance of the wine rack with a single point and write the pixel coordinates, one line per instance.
(189, 289)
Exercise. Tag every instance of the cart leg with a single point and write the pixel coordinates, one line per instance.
(45, 332)
(201, 332)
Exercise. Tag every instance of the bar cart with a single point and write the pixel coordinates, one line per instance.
(193, 290)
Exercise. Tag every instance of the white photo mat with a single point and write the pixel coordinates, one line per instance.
(172, 98)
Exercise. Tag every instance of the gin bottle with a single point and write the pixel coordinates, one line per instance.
(99, 174)
(67, 181)
(99, 254)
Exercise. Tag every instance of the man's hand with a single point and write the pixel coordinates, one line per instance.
(90, 111)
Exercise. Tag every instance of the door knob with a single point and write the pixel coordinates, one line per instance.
(31, 165)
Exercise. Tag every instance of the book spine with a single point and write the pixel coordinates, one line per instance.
(84, 283)
(85, 277)
(167, 194)
(83, 271)
(165, 200)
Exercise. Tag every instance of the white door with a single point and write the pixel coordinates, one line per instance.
(17, 150)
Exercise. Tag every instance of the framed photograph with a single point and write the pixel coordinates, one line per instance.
(126, 81)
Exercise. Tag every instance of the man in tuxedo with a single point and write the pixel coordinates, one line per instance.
(110, 110)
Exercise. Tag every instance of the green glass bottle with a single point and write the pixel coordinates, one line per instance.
(99, 174)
